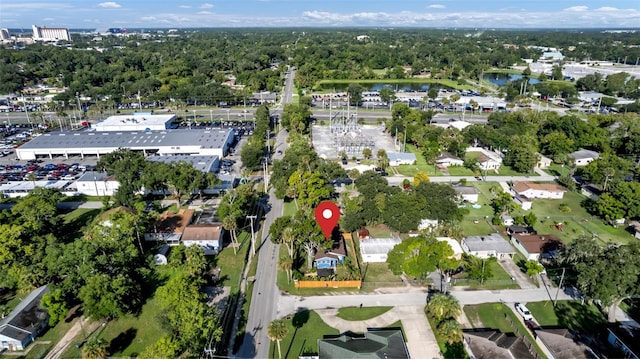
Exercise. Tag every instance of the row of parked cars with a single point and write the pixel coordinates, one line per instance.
(33, 170)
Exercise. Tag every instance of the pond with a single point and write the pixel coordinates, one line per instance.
(397, 87)
(503, 79)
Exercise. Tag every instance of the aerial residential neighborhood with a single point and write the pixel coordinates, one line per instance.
(164, 187)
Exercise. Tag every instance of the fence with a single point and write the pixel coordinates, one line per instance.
(525, 340)
(328, 284)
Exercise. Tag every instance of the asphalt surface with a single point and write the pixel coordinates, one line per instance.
(265, 296)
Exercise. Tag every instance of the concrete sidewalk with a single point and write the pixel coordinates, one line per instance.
(421, 341)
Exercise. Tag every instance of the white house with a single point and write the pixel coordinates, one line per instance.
(98, 184)
(207, 236)
(584, 157)
(506, 220)
(457, 249)
(538, 190)
(375, 250)
(446, 159)
(25, 322)
(170, 227)
(428, 224)
(491, 245)
(401, 158)
(487, 160)
(543, 161)
(536, 246)
(467, 193)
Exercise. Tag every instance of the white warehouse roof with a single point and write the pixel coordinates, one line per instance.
(136, 122)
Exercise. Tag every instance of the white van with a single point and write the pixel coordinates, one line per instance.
(523, 311)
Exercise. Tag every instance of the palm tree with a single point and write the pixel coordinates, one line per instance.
(94, 349)
(276, 331)
(286, 264)
(442, 306)
(288, 238)
(230, 224)
(450, 331)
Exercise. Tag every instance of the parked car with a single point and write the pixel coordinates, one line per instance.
(523, 311)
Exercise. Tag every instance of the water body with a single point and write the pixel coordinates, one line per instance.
(398, 87)
(503, 79)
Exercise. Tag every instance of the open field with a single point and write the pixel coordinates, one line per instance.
(305, 328)
(500, 280)
(585, 318)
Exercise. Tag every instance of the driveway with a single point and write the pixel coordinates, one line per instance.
(514, 271)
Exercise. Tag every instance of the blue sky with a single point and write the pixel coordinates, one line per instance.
(277, 13)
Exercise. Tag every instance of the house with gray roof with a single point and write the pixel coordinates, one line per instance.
(25, 322)
(384, 343)
(487, 246)
(583, 157)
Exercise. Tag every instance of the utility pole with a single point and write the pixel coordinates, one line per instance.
(253, 237)
(555, 301)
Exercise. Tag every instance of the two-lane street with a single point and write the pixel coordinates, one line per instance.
(265, 297)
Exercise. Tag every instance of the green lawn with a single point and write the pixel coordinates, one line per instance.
(500, 279)
(488, 315)
(361, 313)
(378, 272)
(231, 264)
(568, 314)
(379, 231)
(421, 165)
(305, 328)
(459, 171)
(289, 209)
(127, 336)
(470, 228)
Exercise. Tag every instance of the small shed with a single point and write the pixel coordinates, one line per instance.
(507, 220)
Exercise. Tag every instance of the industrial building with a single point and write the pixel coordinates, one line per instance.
(50, 33)
(137, 122)
(213, 142)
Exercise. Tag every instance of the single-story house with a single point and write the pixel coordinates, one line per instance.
(495, 344)
(331, 257)
(374, 343)
(428, 224)
(467, 193)
(93, 183)
(487, 163)
(487, 246)
(591, 190)
(507, 220)
(375, 250)
(532, 190)
(401, 158)
(170, 227)
(515, 229)
(626, 339)
(523, 202)
(25, 322)
(457, 249)
(445, 159)
(584, 157)
(536, 246)
(562, 343)
(634, 228)
(543, 161)
(207, 236)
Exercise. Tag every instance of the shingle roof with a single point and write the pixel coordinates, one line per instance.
(493, 241)
(26, 316)
(202, 232)
(523, 186)
(584, 154)
(374, 344)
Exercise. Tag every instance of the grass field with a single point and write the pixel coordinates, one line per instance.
(305, 328)
(421, 165)
(378, 272)
(231, 264)
(470, 228)
(360, 313)
(568, 314)
(488, 315)
(500, 279)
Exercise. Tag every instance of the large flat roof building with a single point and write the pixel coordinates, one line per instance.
(202, 163)
(213, 142)
(50, 33)
(136, 122)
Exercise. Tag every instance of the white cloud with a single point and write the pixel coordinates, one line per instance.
(606, 8)
(206, 6)
(110, 5)
(436, 6)
(35, 6)
(577, 8)
(204, 13)
(185, 6)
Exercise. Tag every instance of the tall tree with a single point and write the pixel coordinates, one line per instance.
(419, 256)
(277, 331)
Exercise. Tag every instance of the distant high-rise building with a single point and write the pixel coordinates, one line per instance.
(5, 36)
(50, 33)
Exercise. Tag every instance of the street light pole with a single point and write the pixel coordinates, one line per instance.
(253, 237)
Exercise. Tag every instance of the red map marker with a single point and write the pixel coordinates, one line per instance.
(327, 216)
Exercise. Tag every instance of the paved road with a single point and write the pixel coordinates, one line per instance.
(265, 297)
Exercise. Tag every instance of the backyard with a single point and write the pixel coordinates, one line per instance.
(500, 280)
(584, 318)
